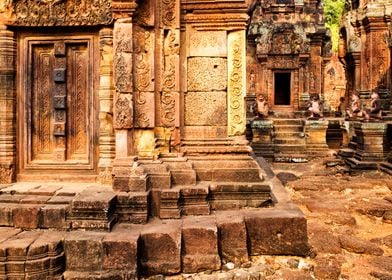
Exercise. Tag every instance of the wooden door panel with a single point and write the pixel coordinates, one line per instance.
(56, 105)
(41, 108)
(77, 103)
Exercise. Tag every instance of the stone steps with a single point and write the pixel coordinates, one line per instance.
(161, 247)
(288, 128)
(289, 140)
(361, 165)
(293, 122)
(386, 167)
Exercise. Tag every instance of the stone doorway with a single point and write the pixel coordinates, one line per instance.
(282, 88)
(56, 104)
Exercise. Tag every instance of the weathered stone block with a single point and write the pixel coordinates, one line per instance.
(169, 208)
(207, 74)
(120, 251)
(208, 43)
(232, 238)
(200, 245)
(206, 108)
(161, 248)
(194, 201)
(53, 216)
(83, 251)
(6, 214)
(26, 216)
(277, 232)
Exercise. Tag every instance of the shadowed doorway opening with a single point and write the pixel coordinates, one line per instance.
(282, 94)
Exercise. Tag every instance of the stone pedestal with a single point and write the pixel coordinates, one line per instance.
(371, 141)
(262, 138)
(316, 136)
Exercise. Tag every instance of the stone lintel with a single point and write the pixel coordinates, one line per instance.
(375, 23)
(218, 21)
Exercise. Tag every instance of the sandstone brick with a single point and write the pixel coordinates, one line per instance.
(54, 216)
(6, 214)
(200, 245)
(26, 216)
(120, 250)
(277, 231)
(161, 248)
(83, 251)
(232, 238)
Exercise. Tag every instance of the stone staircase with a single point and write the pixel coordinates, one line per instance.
(165, 216)
(386, 166)
(289, 140)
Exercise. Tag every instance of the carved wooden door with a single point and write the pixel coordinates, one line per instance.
(56, 108)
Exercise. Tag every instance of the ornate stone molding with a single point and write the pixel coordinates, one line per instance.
(7, 106)
(236, 83)
(226, 21)
(62, 12)
(106, 91)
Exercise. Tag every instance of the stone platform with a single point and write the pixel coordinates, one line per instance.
(79, 231)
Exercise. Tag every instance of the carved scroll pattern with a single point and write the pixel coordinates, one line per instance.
(122, 105)
(62, 12)
(170, 80)
(122, 64)
(143, 77)
(168, 13)
(236, 103)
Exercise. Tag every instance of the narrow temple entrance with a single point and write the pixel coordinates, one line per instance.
(56, 100)
(282, 89)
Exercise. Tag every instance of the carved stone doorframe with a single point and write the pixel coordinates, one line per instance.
(60, 13)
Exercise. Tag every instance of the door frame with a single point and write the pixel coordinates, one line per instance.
(24, 168)
(282, 107)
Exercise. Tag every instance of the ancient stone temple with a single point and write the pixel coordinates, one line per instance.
(286, 40)
(123, 125)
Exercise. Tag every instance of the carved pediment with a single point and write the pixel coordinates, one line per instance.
(279, 39)
(62, 12)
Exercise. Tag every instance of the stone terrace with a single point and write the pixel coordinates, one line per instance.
(75, 231)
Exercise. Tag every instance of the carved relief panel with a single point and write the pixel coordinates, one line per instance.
(62, 12)
(56, 103)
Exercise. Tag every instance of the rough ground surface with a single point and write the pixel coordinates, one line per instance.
(349, 226)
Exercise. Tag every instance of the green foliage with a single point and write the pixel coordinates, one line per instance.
(333, 11)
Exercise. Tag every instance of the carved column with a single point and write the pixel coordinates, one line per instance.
(123, 99)
(106, 89)
(144, 77)
(236, 85)
(315, 74)
(377, 51)
(168, 83)
(357, 69)
(7, 106)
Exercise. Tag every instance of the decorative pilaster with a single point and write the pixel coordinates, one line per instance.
(123, 99)
(236, 85)
(106, 90)
(169, 82)
(7, 106)
(376, 52)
